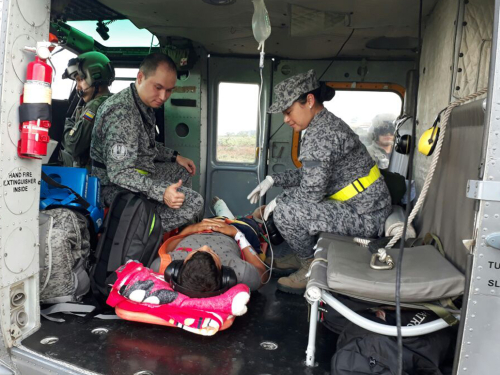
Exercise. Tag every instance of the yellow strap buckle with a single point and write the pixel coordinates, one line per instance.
(357, 186)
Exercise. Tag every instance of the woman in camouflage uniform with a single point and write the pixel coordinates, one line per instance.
(338, 189)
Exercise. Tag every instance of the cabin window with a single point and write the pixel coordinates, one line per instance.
(61, 88)
(357, 105)
(122, 33)
(359, 108)
(237, 122)
(123, 78)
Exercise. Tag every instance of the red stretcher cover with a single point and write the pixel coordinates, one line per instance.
(142, 295)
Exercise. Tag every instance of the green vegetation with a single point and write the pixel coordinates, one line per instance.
(237, 148)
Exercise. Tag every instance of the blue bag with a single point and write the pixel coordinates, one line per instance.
(73, 188)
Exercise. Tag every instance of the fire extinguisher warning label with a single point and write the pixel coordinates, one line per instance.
(37, 92)
(19, 181)
(20, 188)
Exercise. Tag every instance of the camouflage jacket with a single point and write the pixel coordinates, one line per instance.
(77, 134)
(379, 155)
(332, 157)
(124, 141)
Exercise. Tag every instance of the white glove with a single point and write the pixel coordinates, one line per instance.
(269, 208)
(260, 190)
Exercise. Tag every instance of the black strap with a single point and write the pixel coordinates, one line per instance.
(82, 202)
(152, 141)
(98, 164)
(34, 111)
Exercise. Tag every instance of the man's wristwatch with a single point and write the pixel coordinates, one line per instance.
(173, 159)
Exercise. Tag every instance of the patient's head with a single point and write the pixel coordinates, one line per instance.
(200, 271)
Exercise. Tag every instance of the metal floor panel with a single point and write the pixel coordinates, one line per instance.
(131, 347)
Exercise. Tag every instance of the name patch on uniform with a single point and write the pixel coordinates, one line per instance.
(119, 151)
(89, 115)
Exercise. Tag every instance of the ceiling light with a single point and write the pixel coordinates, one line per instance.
(219, 2)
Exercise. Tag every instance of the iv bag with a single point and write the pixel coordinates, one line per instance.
(261, 25)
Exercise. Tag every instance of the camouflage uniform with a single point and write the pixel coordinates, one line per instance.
(78, 133)
(379, 155)
(126, 145)
(332, 157)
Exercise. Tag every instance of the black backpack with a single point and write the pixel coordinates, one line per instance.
(360, 352)
(131, 231)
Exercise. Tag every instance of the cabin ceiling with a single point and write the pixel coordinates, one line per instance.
(301, 29)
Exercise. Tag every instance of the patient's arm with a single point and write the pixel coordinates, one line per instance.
(249, 253)
(205, 225)
(253, 258)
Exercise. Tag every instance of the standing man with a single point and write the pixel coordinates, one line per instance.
(124, 152)
(93, 74)
(382, 135)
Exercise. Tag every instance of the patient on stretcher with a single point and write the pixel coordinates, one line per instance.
(205, 247)
(200, 282)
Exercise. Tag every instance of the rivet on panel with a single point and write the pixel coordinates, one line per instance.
(492, 291)
(486, 216)
(481, 255)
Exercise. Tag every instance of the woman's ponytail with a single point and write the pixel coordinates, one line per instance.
(326, 93)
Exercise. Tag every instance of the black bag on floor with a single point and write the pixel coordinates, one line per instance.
(361, 352)
(131, 231)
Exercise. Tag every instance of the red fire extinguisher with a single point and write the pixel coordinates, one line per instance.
(35, 110)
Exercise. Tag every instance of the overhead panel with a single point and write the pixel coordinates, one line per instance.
(308, 22)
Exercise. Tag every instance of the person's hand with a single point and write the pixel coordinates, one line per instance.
(173, 198)
(269, 208)
(186, 163)
(260, 190)
(219, 225)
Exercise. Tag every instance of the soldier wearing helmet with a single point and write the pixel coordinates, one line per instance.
(382, 136)
(93, 74)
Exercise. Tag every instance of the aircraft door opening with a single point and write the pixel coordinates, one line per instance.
(233, 157)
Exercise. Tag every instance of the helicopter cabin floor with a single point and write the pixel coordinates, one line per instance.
(129, 347)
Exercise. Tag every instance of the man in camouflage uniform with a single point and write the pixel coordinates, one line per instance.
(382, 135)
(93, 74)
(124, 152)
(338, 189)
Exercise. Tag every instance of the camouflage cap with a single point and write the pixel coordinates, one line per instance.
(291, 89)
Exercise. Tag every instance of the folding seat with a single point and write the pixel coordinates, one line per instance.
(428, 278)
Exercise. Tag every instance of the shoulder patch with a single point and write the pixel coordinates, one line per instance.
(89, 115)
(119, 151)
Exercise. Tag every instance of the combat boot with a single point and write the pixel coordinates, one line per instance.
(284, 265)
(297, 281)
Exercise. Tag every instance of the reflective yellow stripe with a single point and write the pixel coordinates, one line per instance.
(357, 186)
(144, 173)
(152, 224)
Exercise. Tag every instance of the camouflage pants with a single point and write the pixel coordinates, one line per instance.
(191, 210)
(300, 222)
